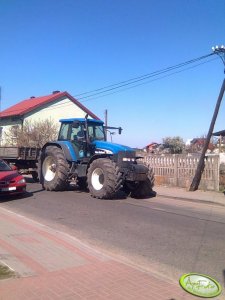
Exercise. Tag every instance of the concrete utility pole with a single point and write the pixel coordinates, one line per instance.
(200, 168)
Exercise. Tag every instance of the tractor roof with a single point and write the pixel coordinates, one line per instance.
(81, 120)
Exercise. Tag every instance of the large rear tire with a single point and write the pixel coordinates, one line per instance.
(104, 178)
(54, 169)
(143, 189)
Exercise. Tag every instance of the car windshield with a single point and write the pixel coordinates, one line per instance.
(96, 132)
(4, 166)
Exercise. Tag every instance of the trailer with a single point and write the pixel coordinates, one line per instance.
(24, 158)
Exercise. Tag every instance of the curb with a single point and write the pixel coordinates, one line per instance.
(191, 200)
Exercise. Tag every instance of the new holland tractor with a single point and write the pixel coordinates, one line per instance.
(82, 154)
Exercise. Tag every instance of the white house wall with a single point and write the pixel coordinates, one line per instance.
(62, 108)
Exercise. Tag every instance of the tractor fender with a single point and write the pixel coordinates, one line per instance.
(96, 156)
(66, 147)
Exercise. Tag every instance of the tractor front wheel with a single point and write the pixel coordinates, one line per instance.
(104, 178)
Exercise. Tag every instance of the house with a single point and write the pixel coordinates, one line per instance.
(54, 107)
(152, 148)
(197, 144)
(221, 140)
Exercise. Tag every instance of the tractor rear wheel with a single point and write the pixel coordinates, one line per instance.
(143, 189)
(54, 169)
(104, 178)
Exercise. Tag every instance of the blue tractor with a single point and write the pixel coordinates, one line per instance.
(82, 154)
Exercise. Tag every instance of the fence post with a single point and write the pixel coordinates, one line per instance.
(176, 169)
(217, 175)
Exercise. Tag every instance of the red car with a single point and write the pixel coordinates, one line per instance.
(11, 182)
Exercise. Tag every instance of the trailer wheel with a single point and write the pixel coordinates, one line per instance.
(54, 169)
(104, 178)
(143, 189)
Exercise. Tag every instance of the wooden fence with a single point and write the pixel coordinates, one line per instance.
(179, 170)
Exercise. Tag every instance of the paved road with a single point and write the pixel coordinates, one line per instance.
(166, 236)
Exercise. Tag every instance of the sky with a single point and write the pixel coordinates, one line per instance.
(82, 45)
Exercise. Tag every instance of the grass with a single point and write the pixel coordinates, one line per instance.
(6, 272)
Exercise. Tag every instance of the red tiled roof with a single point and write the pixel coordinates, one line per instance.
(199, 141)
(30, 104)
(152, 144)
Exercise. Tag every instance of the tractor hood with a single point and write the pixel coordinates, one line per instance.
(110, 148)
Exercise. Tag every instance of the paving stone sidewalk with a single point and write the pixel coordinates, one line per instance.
(54, 265)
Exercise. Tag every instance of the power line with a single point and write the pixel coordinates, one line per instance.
(137, 79)
(133, 86)
(116, 88)
(149, 81)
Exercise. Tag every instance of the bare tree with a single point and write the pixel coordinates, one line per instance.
(32, 134)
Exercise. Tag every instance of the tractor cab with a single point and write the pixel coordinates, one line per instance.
(81, 129)
(81, 133)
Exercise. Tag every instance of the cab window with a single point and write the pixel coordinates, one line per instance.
(76, 131)
(99, 133)
(96, 132)
(63, 134)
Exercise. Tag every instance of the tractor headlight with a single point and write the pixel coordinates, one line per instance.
(129, 159)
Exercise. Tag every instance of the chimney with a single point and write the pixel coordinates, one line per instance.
(55, 92)
(32, 97)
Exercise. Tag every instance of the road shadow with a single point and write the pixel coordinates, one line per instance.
(120, 195)
(7, 198)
